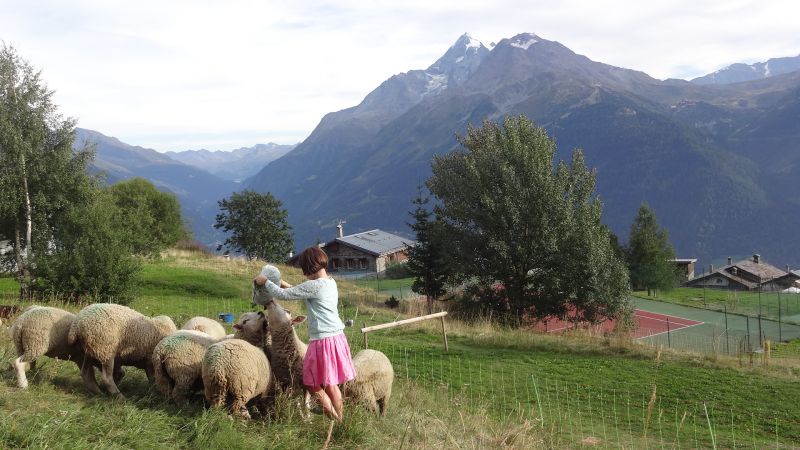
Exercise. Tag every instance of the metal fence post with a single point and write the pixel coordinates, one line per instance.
(749, 347)
(727, 340)
(669, 340)
(780, 332)
(760, 339)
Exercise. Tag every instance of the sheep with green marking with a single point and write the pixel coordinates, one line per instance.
(178, 358)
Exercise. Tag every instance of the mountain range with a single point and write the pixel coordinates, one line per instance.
(739, 72)
(235, 165)
(716, 159)
(197, 190)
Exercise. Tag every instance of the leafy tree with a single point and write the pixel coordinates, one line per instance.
(257, 225)
(151, 218)
(426, 260)
(528, 233)
(91, 255)
(649, 253)
(43, 180)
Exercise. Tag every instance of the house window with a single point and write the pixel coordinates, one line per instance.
(351, 264)
(362, 263)
(335, 264)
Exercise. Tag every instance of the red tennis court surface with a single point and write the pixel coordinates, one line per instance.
(648, 324)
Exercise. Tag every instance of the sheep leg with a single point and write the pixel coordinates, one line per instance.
(107, 377)
(87, 373)
(119, 373)
(181, 391)
(239, 408)
(382, 404)
(150, 372)
(19, 366)
(371, 403)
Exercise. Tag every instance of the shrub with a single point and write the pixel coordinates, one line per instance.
(392, 302)
(397, 270)
(89, 258)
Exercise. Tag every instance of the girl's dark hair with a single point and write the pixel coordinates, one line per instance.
(312, 259)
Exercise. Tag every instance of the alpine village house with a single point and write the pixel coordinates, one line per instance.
(747, 275)
(368, 252)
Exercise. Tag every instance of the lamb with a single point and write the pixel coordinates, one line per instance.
(178, 358)
(114, 334)
(373, 382)
(42, 331)
(286, 350)
(238, 371)
(206, 325)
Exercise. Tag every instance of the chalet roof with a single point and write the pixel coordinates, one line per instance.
(762, 270)
(375, 242)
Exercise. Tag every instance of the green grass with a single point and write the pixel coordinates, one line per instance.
(385, 284)
(495, 388)
(8, 285)
(770, 305)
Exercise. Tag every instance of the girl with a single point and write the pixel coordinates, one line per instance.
(328, 362)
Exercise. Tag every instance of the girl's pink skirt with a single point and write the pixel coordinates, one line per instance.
(328, 361)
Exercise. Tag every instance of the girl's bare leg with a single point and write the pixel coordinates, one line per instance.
(335, 395)
(324, 401)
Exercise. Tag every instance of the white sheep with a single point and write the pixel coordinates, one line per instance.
(206, 325)
(178, 358)
(373, 383)
(42, 331)
(238, 371)
(114, 334)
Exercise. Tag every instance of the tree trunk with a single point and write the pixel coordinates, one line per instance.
(28, 215)
(23, 288)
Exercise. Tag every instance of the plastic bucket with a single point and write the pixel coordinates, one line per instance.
(226, 317)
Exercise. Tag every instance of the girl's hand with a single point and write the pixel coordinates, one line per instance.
(260, 280)
(285, 285)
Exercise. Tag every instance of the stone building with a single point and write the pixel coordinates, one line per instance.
(747, 275)
(367, 252)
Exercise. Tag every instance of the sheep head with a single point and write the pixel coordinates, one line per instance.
(251, 324)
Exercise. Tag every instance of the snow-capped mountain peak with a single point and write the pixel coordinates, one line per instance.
(524, 41)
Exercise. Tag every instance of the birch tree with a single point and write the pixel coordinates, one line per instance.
(41, 176)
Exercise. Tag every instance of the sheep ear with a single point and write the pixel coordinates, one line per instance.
(261, 313)
(298, 319)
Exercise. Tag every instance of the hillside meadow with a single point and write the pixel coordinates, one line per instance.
(495, 388)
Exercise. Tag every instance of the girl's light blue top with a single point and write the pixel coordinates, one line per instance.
(321, 298)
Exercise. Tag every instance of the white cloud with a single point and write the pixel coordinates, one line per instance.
(188, 74)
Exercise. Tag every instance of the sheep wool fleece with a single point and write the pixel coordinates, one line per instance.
(237, 370)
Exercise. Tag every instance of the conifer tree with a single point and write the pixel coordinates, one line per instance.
(650, 253)
(426, 259)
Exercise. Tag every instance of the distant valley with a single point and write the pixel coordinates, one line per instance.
(235, 165)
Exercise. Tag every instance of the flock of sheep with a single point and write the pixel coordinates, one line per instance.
(244, 369)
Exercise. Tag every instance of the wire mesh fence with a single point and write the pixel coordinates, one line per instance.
(574, 414)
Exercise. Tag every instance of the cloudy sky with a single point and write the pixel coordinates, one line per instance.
(177, 75)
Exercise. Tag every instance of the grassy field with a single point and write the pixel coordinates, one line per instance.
(496, 388)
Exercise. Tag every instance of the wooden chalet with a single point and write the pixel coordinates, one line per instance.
(367, 252)
(747, 275)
